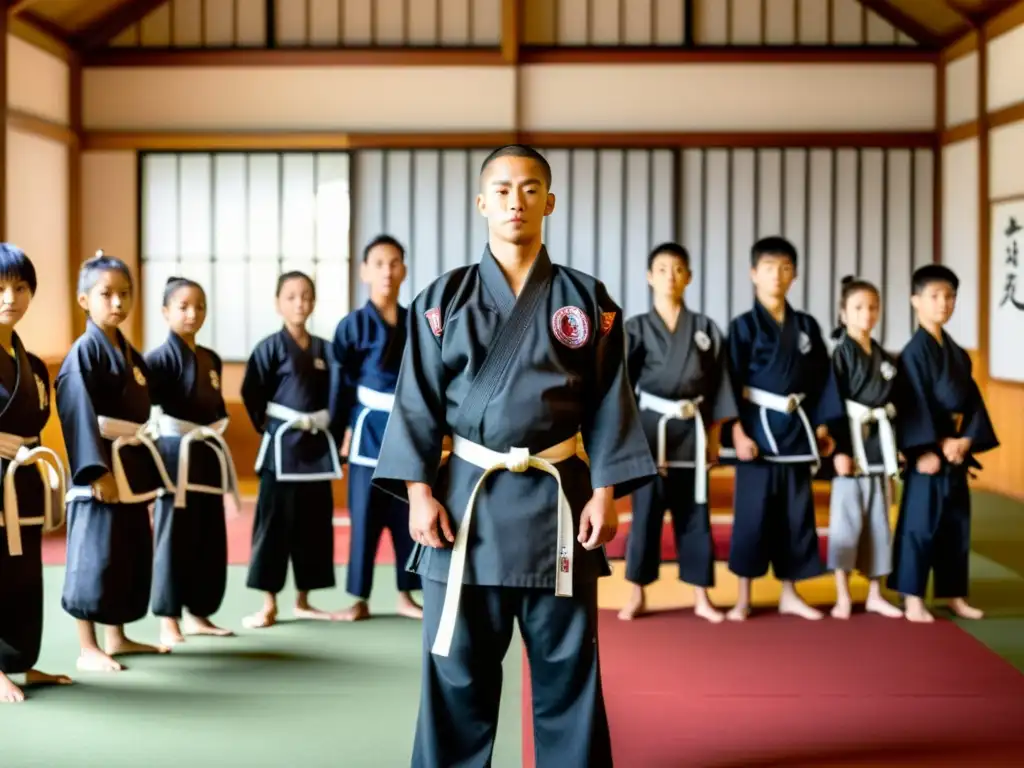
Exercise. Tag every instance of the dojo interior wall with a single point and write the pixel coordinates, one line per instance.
(37, 190)
(965, 247)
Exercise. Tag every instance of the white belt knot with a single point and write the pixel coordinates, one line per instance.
(860, 416)
(314, 423)
(22, 452)
(517, 460)
(682, 410)
(788, 404)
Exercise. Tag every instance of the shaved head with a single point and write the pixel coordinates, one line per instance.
(518, 150)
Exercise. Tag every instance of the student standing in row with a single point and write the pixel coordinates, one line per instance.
(286, 391)
(103, 404)
(190, 564)
(30, 503)
(676, 362)
(368, 347)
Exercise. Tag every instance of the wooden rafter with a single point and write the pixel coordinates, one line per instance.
(114, 22)
(908, 25)
(14, 7)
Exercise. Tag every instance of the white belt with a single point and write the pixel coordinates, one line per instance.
(371, 400)
(22, 452)
(769, 401)
(192, 434)
(516, 460)
(681, 410)
(860, 416)
(317, 421)
(124, 433)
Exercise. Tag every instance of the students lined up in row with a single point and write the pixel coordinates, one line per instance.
(769, 400)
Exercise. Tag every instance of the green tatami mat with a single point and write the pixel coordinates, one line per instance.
(306, 694)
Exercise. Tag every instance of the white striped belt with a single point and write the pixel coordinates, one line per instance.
(681, 410)
(515, 460)
(860, 416)
(315, 422)
(22, 452)
(192, 434)
(371, 400)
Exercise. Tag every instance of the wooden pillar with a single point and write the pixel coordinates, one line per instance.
(984, 210)
(511, 41)
(937, 158)
(75, 255)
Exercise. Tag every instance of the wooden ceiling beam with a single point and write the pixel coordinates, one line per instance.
(905, 23)
(114, 22)
(14, 7)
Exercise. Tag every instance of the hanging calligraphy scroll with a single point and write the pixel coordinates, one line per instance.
(1006, 304)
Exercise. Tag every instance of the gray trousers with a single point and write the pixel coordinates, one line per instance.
(858, 528)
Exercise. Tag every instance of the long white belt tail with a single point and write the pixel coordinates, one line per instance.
(516, 460)
(318, 421)
(190, 434)
(371, 400)
(860, 417)
(681, 410)
(23, 452)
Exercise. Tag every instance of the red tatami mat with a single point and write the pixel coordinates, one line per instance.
(783, 691)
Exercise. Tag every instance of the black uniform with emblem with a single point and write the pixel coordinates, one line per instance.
(190, 543)
(667, 367)
(496, 371)
(296, 463)
(24, 411)
(109, 546)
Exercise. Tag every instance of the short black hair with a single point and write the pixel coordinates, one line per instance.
(175, 284)
(295, 275)
(91, 270)
(518, 150)
(668, 249)
(772, 246)
(15, 265)
(383, 240)
(933, 273)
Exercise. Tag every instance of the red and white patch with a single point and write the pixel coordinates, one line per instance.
(607, 321)
(434, 318)
(571, 327)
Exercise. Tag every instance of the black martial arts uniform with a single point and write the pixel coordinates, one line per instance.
(287, 393)
(785, 389)
(680, 380)
(368, 352)
(933, 532)
(103, 397)
(35, 504)
(498, 372)
(190, 559)
(859, 535)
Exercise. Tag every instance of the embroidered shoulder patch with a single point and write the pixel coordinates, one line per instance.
(434, 318)
(43, 394)
(804, 343)
(888, 370)
(139, 378)
(607, 321)
(320, 364)
(571, 327)
(702, 340)
(214, 380)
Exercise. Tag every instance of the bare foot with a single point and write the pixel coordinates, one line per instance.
(95, 660)
(637, 605)
(9, 692)
(310, 613)
(408, 607)
(358, 611)
(842, 609)
(916, 612)
(170, 632)
(35, 677)
(738, 612)
(708, 612)
(197, 626)
(125, 647)
(960, 607)
(260, 619)
(791, 604)
(881, 606)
